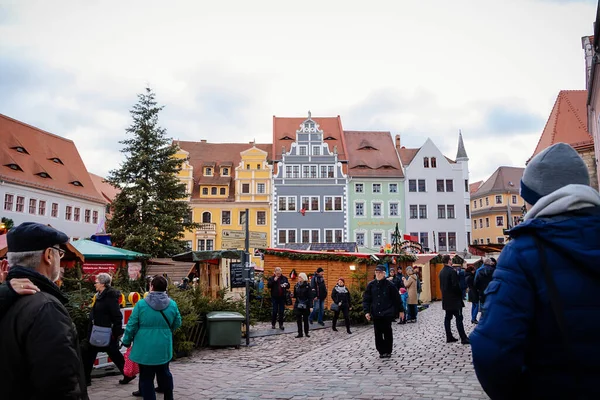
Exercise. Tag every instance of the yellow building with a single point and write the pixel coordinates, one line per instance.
(496, 205)
(224, 180)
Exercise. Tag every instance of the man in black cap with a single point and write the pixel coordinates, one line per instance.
(382, 304)
(319, 289)
(38, 341)
(452, 301)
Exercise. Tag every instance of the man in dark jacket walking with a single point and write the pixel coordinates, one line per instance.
(319, 288)
(279, 286)
(452, 301)
(539, 334)
(382, 304)
(38, 341)
(483, 277)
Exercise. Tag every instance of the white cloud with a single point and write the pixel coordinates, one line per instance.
(224, 68)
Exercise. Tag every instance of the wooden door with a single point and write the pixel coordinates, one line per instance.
(436, 291)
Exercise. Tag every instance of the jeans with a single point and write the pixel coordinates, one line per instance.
(163, 378)
(474, 311)
(302, 317)
(278, 308)
(384, 339)
(412, 311)
(318, 307)
(459, 323)
(113, 352)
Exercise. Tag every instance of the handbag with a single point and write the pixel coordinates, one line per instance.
(100, 336)
(131, 368)
(302, 304)
(334, 307)
(288, 298)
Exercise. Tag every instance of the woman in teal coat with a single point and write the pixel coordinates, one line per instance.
(151, 326)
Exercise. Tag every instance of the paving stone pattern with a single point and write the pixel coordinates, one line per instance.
(328, 365)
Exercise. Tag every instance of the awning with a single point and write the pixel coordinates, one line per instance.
(97, 251)
(195, 256)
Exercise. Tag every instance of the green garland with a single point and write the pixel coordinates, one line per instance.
(335, 257)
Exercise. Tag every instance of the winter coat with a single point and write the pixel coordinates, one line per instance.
(461, 278)
(397, 281)
(450, 286)
(339, 296)
(518, 348)
(303, 294)
(411, 287)
(382, 299)
(277, 291)
(318, 286)
(39, 345)
(106, 312)
(470, 281)
(151, 335)
(483, 277)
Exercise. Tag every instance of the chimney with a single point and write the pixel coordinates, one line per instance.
(397, 142)
(203, 141)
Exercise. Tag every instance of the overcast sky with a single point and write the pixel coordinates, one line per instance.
(222, 69)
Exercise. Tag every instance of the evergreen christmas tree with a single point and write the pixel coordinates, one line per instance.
(150, 214)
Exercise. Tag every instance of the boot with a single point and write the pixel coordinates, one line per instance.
(333, 328)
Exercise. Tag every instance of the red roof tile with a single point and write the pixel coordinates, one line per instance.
(407, 155)
(473, 187)
(503, 180)
(284, 134)
(372, 154)
(108, 191)
(567, 122)
(219, 154)
(39, 150)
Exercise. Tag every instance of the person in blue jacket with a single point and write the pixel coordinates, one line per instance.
(539, 334)
(150, 329)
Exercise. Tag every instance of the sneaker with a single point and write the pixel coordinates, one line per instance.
(388, 355)
(451, 340)
(281, 327)
(382, 355)
(475, 322)
(465, 341)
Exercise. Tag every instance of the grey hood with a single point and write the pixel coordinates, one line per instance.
(567, 198)
(158, 300)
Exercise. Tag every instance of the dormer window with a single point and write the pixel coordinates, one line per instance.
(44, 175)
(433, 162)
(425, 162)
(76, 183)
(330, 138)
(225, 172)
(208, 171)
(14, 167)
(20, 149)
(56, 160)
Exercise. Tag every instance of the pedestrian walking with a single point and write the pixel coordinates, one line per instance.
(319, 288)
(279, 286)
(483, 277)
(105, 313)
(150, 329)
(382, 304)
(304, 298)
(538, 336)
(410, 284)
(473, 296)
(452, 301)
(38, 341)
(396, 278)
(461, 279)
(341, 303)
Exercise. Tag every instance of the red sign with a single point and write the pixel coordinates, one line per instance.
(98, 267)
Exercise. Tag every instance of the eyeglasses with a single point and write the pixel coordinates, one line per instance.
(61, 252)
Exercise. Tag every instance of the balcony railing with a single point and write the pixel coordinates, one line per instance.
(207, 228)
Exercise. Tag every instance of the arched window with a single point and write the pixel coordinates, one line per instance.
(433, 162)
(425, 162)
(206, 217)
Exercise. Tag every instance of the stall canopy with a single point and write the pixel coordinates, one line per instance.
(195, 256)
(97, 251)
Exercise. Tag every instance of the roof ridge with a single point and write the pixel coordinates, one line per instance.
(34, 127)
(547, 122)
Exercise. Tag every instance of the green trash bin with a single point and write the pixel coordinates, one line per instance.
(224, 328)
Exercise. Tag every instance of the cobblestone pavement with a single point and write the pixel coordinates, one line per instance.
(328, 365)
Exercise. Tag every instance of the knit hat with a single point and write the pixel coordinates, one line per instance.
(557, 166)
(320, 270)
(342, 279)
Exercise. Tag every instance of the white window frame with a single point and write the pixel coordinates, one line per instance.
(333, 198)
(373, 233)
(42, 210)
(318, 235)
(257, 219)
(381, 213)
(373, 187)
(287, 204)
(390, 187)
(12, 201)
(22, 204)
(356, 203)
(52, 210)
(362, 188)
(502, 220)
(302, 149)
(364, 236)
(302, 235)
(264, 188)
(316, 150)
(500, 238)
(224, 223)
(397, 204)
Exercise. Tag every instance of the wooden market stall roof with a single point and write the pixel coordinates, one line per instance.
(483, 249)
(98, 251)
(175, 269)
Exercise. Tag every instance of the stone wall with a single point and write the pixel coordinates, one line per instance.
(590, 162)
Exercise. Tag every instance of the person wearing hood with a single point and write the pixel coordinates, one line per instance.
(106, 313)
(38, 341)
(151, 327)
(483, 277)
(538, 334)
